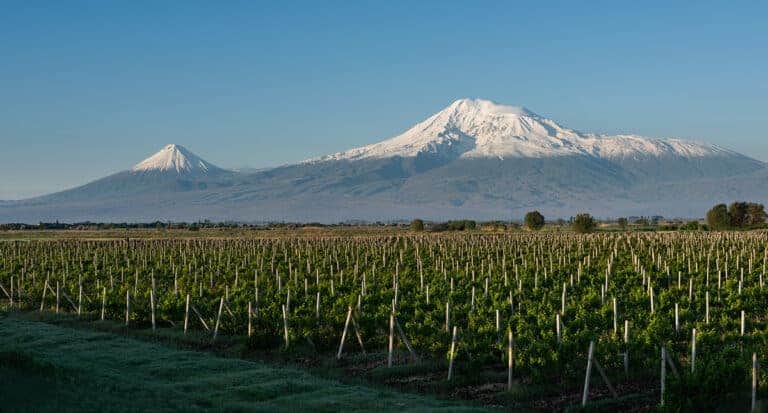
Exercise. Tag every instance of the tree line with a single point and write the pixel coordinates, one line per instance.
(738, 215)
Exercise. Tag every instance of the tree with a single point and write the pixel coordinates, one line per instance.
(755, 214)
(583, 223)
(623, 222)
(718, 217)
(534, 220)
(746, 214)
(737, 211)
(417, 225)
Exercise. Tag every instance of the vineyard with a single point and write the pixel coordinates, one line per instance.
(672, 320)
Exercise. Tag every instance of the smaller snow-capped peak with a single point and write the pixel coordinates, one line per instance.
(174, 158)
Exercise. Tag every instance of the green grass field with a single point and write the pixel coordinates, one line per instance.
(45, 368)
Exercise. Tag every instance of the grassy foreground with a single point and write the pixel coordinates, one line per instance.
(45, 367)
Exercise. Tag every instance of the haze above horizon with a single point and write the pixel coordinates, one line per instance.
(90, 88)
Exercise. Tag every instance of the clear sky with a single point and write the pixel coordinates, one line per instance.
(91, 88)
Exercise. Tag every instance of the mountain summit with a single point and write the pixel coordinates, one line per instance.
(478, 128)
(175, 158)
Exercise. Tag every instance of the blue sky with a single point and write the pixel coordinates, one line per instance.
(91, 88)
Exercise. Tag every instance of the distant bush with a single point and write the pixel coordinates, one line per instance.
(493, 226)
(460, 225)
(643, 222)
(690, 226)
(417, 225)
(583, 223)
(534, 220)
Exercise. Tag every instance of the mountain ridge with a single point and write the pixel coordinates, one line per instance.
(473, 159)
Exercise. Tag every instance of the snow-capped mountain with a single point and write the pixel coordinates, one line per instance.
(175, 158)
(171, 170)
(476, 128)
(473, 159)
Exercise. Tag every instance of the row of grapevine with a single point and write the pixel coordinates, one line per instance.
(531, 302)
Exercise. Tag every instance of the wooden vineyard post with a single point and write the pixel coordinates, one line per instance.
(591, 360)
(42, 301)
(285, 327)
(344, 333)
(80, 300)
(218, 318)
(742, 323)
(557, 328)
(405, 341)
(677, 318)
(663, 372)
(57, 296)
(690, 290)
(706, 308)
(152, 307)
(200, 317)
(585, 393)
(186, 315)
(754, 382)
(562, 301)
(693, 351)
(390, 348)
(358, 334)
(452, 354)
(510, 360)
(103, 302)
(127, 306)
(447, 315)
(626, 347)
(250, 314)
(615, 317)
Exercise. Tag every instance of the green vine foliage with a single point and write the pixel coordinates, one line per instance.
(519, 275)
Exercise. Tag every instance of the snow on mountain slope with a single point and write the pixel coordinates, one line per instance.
(476, 128)
(634, 146)
(175, 158)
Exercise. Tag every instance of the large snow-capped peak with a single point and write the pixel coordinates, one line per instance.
(175, 158)
(477, 128)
